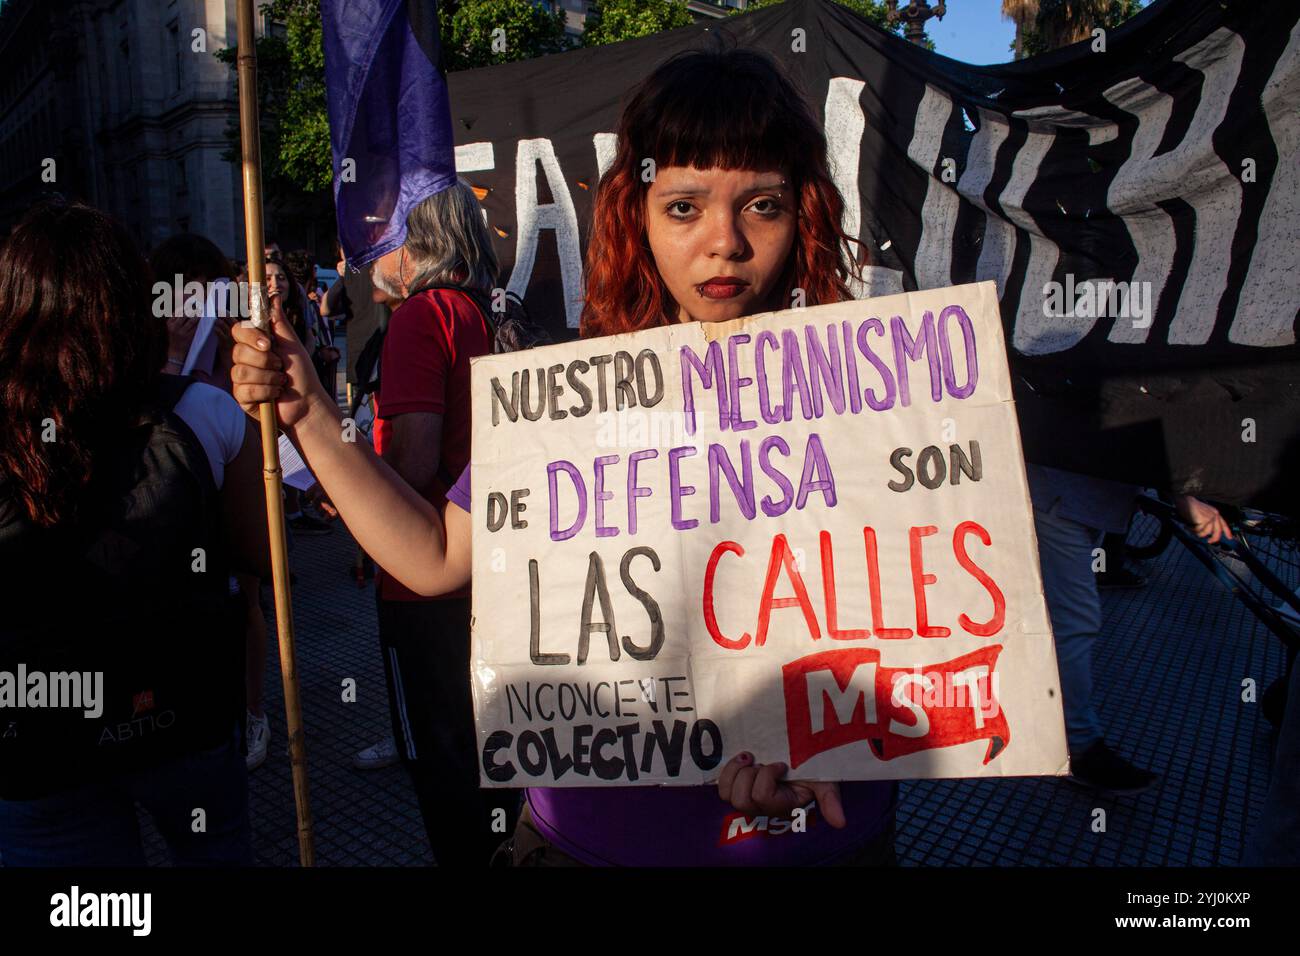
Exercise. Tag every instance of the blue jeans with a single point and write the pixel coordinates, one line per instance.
(1065, 552)
(96, 824)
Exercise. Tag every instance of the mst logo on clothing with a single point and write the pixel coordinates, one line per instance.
(738, 826)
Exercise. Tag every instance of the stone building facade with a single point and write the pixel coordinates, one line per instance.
(123, 104)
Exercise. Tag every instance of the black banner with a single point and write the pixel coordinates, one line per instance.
(1136, 198)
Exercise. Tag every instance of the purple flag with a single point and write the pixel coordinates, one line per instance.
(390, 120)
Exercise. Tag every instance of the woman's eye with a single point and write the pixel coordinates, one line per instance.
(680, 209)
(771, 207)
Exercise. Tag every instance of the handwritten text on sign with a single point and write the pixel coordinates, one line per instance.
(806, 535)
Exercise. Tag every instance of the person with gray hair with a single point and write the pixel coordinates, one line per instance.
(422, 430)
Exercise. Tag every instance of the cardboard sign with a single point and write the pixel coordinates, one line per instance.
(804, 534)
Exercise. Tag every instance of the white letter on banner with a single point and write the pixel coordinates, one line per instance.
(933, 265)
(1266, 309)
(606, 146)
(475, 157)
(1191, 171)
(531, 218)
(1043, 252)
(998, 247)
(844, 125)
(822, 684)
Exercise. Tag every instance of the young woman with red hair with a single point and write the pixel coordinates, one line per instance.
(718, 205)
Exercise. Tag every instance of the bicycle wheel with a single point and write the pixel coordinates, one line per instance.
(1148, 536)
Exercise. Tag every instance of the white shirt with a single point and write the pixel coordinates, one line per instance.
(217, 421)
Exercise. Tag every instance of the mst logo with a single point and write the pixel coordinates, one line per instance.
(737, 826)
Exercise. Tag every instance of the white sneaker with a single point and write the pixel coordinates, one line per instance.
(378, 756)
(258, 736)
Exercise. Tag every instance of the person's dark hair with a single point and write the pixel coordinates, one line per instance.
(79, 349)
(730, 109)
(192, 256)
(302, 266)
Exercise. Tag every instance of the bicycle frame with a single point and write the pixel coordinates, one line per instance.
(1239, 547)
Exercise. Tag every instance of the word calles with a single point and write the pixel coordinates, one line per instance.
(782, 559)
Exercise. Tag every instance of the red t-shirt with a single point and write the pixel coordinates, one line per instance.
(424, 367)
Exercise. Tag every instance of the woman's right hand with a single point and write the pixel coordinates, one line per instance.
(275, 368)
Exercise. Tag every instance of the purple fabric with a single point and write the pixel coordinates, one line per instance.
(458, 494)
(388, 115)
(692, 826)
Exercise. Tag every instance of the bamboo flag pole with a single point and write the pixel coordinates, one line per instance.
(251, 154)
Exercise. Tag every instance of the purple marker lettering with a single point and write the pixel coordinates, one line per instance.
(738, 422)
(815, 461)
(820, 369)
(712, 375)
(676, 490)
(945, 350)
(770, 415)
(579, 486)
(875, 404)
(908, 348)
(772, 508)
(793, 374)
(742, 488)
(851, 367)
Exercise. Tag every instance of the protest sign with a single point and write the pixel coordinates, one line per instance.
(804, 534)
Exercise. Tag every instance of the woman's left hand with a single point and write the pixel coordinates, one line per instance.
(759, 788)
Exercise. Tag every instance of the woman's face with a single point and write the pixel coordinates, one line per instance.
(277, 283)
(721, 238)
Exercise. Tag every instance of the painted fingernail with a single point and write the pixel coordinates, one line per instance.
(745, 756)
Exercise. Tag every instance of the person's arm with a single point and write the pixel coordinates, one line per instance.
(336, 302)
(404, 533)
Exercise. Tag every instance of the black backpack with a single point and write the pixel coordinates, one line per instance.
(118, 593)
(512, 331)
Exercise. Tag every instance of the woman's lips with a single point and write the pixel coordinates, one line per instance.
(722, 288)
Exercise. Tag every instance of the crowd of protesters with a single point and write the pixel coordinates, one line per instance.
(147, 499)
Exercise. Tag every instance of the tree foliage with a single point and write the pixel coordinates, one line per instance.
(873, 10)
(291, 101)
(1050, 24)
(611, 21)
(484, 32)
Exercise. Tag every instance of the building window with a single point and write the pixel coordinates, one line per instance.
(182, 182)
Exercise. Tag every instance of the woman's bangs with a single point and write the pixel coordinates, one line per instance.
(736, 126)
